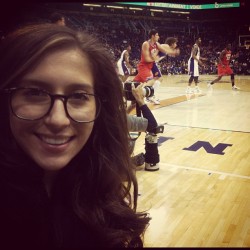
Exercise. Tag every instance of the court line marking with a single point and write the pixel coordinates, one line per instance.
(186, 126)
(170, 101)
(223, 174)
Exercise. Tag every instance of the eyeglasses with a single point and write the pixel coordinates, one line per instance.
(34, 104)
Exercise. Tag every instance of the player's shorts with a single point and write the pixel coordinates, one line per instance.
(146, 73)
(193, 67)
(156, 71)
(222, 71)
(123, 70)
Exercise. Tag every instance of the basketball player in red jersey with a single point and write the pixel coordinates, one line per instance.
(224, 68)
(148, 72)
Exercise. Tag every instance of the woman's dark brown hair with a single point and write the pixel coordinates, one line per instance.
(99, 183)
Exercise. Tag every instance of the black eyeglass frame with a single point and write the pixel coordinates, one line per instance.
(64, 99)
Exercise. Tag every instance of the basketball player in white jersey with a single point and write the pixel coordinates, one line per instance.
(123, 66)
(193, 66)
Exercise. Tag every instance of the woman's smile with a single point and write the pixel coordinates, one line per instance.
(54, 140)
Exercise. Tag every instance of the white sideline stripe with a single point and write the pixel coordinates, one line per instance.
(223, 174)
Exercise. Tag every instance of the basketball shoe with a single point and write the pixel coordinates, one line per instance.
(209, 86)
(197, 90)
(153, 99)
(235, 88)
(189, 90)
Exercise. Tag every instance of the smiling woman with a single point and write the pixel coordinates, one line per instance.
(64, 151)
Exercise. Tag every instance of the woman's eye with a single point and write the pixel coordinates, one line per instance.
(80, 96)
(34, 92)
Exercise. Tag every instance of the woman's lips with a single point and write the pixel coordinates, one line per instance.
(58, 140)
(54, 144)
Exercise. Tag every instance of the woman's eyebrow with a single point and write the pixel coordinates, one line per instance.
(49, 85)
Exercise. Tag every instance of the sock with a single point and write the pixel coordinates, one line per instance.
(156, 85)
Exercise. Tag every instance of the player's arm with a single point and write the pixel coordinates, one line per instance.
(146, 54)
(234, 56)
(203, 58)
(165, 48)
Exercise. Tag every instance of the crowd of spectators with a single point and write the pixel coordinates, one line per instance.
(116, 32)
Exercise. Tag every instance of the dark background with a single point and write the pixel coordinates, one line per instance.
(15, 13)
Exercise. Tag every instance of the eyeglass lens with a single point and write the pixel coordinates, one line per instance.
(33, 104)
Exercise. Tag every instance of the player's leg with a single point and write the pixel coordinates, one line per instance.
(191, 73)
(196, 77)
(196, 89)
(233, 83)
(215, 80)
(190, 80)
(157, 77)
(221, 72)
(145, 76)
(156, 84)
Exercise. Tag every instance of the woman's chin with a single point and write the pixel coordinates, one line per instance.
(52, 164)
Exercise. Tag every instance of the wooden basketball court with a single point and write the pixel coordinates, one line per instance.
(200, 197)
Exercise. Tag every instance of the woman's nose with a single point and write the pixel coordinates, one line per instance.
(57, 117)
